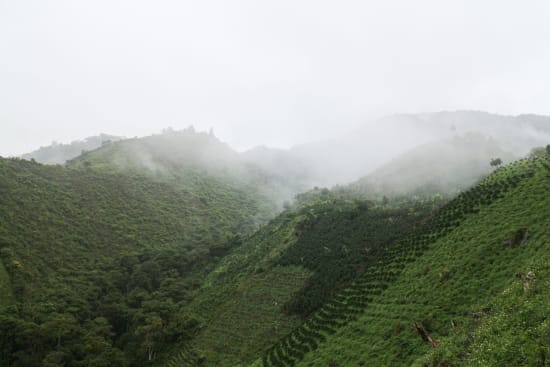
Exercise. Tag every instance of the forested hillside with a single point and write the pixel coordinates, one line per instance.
(141, 254)
(172, 154)
(96, 265)
(274, 183)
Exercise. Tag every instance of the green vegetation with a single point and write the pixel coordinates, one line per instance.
(495, 162)
(447, 166)
(101, 264)
(445, 277)
(57, 153)
(251, 318)
(5, 288)
(241, 299)
(184, 155)
(130, 256)
(510, 330)
(339, 239)
(256, 294)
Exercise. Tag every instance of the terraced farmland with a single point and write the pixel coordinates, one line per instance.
(252, 319)
(368, 297)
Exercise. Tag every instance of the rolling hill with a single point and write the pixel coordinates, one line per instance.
(58, 153)
(444, 167)
(164, 251)
(118, 252)
(475, 273)
(348, 157)
(346, 282)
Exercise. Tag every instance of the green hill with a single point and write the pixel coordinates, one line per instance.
(341, 282)
(445, 166)
(173, 154)
(115, 252)
(448, 278)
(288, 269)
(158, 252)
(57, 153)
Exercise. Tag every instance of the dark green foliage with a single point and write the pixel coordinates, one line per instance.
(102, 264)
(495, 162)
(339, 239)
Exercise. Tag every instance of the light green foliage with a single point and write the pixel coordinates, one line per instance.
(109, 263)
(241, 299)
(251, 318)
(455, 281)
(245, 299)
(513, 329)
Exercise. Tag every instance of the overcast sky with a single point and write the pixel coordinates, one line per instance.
(260, 72)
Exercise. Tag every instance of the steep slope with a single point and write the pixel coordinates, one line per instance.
(285, 271)
(123, 251)
(511, 330)
(445, 276)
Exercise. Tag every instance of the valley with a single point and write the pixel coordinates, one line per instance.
(174, 250)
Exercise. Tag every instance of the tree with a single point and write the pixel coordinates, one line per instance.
(150, 334)
(59, 326)
(54, 359)
(539, 152)
(495, 162)
(99, 352)
(548, 149)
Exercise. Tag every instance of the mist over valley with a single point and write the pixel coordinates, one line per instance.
(274, 184)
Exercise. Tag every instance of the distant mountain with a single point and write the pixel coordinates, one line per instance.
(444, 166)
(177, 154)
(340, 160)
(167, 152)
(348, 157)
(58, 153)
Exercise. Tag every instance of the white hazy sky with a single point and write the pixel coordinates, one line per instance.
(260, 72)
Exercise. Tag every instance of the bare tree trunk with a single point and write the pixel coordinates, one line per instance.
(424, 334)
